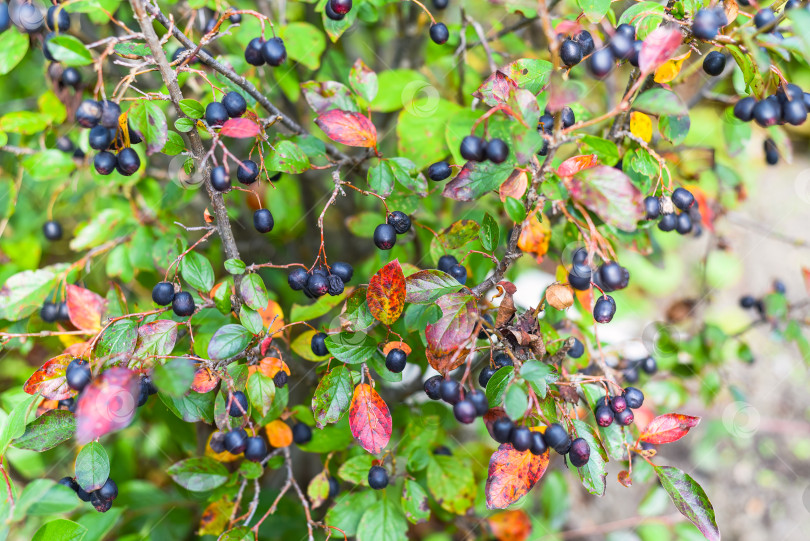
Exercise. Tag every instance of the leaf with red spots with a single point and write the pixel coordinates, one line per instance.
(454, 327)
(369, 419)
(204, 380)
(386, 293)
(658, 47)
(85, 308)
(512, 474)
(49, 380)
(575, 164)
(107, 404)
(475, 179)
(610, 194)
(240, 128)
(352, 129)
(668, 428)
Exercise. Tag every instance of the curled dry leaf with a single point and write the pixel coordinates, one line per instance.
(560, 296)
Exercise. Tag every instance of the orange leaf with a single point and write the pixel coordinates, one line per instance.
(386, 293)
(107, 404)
(668, 428)
(535, 237)
(515, 186)
(512, 474)
(670, 69)
(279, 433)
(444, 362)
(240, 128)
(352, 129)
(85, 308)
(624, 478)
(396, 344)
(369, 419)
(50, 381)
(575, 164)
(510, 525)
(272, 315)
(270, 366)
(204, 380)
(46, 406)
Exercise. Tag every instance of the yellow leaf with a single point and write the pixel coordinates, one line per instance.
(535, 237)
(641, 126)
(670, 69)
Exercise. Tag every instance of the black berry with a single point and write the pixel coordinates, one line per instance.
(439, 171)
(247, 172)
(579, 453)
(77, 374)
(570, 52)
(109, 490)
(127, 161)
(744, 109)
(794, 112)
(238, 404)
(684, 224)
(459, 272)
(633, 397)
(601, 62)
(99, 137)
(585, 41)
(649, 365)
(255, 449)
(318, 344)
(625, 418)
(485, 376)
(399, 221)
(557, 438)
(183, 304)
(234, 104)
(274, 52)
(479, 400)
(618, 404)
(100, 504)
(263, 221)
(280, 379)
(621, 46)
(705, 25)
(604, 309)
(318, 284)
(450, 391)
(521, 438)
(538, 446)
(439, 33)
(57, 19)
(385, 236)
(236, 441)
(652, 207)
(682, 198)
(502, 429)
(336, 286)
(766, 113)
(714, 63)
(502, 359)
(71, 77)
(163, 293)
(49, 312)
(52, 230)
(446, 262)
(577, 350)
(668, 222)
(395, 360)
(433, 387)
(626, 30)
(497, 151)
(473, 148)
(253, 52)
(764, 17)
(603, 415)
(302, 434)
(88, 113)
(219, 179)
(297, 279)
(215, 114)
(747, 301)
(377, 478)
(110, 111)
(464, 410)
(343, 270)
(341, 6)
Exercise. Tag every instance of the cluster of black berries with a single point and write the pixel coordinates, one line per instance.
(385, 235)
(708, 21)
(260, 51)
(573, 50)
(54, 311)
(789, 105)
(320, 281)
(102, 118)
(498, 361)
(475, 149)
(545, 124)
(450, 265)
(57, 20)
(102, 499)
(78, 376)
(247, 173)
(609, 277)
(182, 302)
(212, 18)
(623, 46)
(466, 405)
(619, 408)
(337, 9)
(237, 441)
(631, 371)
(684, 222)
(233, 105)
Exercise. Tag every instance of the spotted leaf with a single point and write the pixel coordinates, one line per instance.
(369, 419)
(512, 474)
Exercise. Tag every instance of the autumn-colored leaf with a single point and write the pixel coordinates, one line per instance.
(512, 474)
(270, 366)
(610, 194)
(444, 362)
(575, 164)
(45, 406)
(49, 380)
(369, 419)
(515, 186)
(107, 404)
(349, 128)
(658, 47)
(279, 433)
(272, 317)
(496, 89)
(641, 125)
(454, 327)
(204, 380)
(216, 516)
(668, 428)
(85, 308)
(513, 525)
(240, 128)
(670, 69)
(396, 344)
(386, 293)
(624, 478)
(534, 237)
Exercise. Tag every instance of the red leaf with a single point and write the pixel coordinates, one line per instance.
(512, 474)
(204, 380)
(240, 128)
(459, 317)
(668, 428)
(369, 419)
(511, 525)
(659, 47)
(107, 404)
(496, 89)
(352, 129)
(85, 308)
(624, 478)
(386, 293)
(575, 164)
(610, 194)
(49, 380)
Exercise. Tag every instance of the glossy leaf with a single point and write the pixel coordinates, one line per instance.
(690, 499)
(458, 320)
(476, 179)
(92, 466)
(427, 286)
(107, 404)
(668, 428)
(69, 50)
(204, 380)
(14, 46)
(288, 158)
(323, 96)
(197, 271)
(348, 128)
(369, 419)
(658, 101)
(229, 340)
(496, 386)
(512, 474)
(198, 474)
(240, 128)
(120, 338)
(351, 348)
(253, 292)
(174, 377)
(148, 119)
(386, 293)
(383, 521)
(594, 473)
(332, 396)
(60, 529)
(156, 338)
(261, 391)
(23, 293)
(49, 380)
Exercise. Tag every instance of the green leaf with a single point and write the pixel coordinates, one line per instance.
(690, 499)
(235, 266)
(288, 158)
(801, 19)
(645, 16)
(24, 122)
(253, 292)
(428, 286)
(490, 233)
(332, 396)
(192, 108)
(156, 338)
(606, 151)
(674, 128)
(357, 315)
(451, 483)
(381, 177)
(658, 101)
(251, 320)
(149, 121)
(174, 377)
(348, 509)
(60, 529)
(133, 48)
(594, 10)
(14, 46)
(538, 375)
(315, 310)
(47, 431)
(184, 125)
(415, 502)
(16, 421)
(261, 391)
(351, 348)
(363, 80)
(198, 474)
(49, 164)
(192, 407)
(355, 469)
(594, 473)
(44, 497)
(515, 402)
(23, 293)
(515, 209)
(197, 271)
(228, 341)
(68, 50)
(383, 521)
(119, 338)
(496, 386)
(305, 43)
(174, 145)
(92, 466)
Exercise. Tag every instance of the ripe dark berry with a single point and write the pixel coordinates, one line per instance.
(538, 446)
(633, 397)
(601, 62)
(497, 151)
(684, 224)
(62, 312)
(297, 279)
(441, 4)
(399, 221)
(377, 478)
(219, 179)
(183, 304)
(336, 286)
(105, 162)
(343, 270)
(570, 52)
(432, 387)
(649, 365)
(78, 375)
(794, 112)
(603, 415)
(253, 52)
(100, 504)
(630, 374)
(302, 434)
(341, 6)
(236, 18)
(395, 360)
(764, 17)
(331, 13)
(49, 312)
(69, 482)
(88, 113)
(443, 451)
(486, 375)
(546, 123)
(64, 144)
(318, 344)
(626, 30)
(604, 309)
(625, 418)
(68, 404)
(263, 221)
(464, 410)
(611, 275)
(146, 382)
(127, 161)
(385, 236)
(247, 172)
(744, 109)
(577, 350)
(521, 438)
(163, 293)
(557, 438)
(682, 198)
(473, 148)
(585, 41)
(792, 4)
(705, 25)
(52, 230)
(57, 19)
(236, 441)
(71, 77)
(567, 117)
(439, 33)
(621, 46)
(668, 222)
(714, 63)
(446, 262)
(652, 207)
(747, 301)
(459, 272)
(110, 112)
(502, 429)
(274, 52)
(479, 400)
(579, 453)
(234, 104)
(109, 490)
(99, 137)
(280, 379)
(238, 404)
(634, 55)
(215, 114)
(580, 283)
(502, 359)
(439, 171)
(766, 113)
(334, 487)
(450, 391)
(618, 404)
(255, 449)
